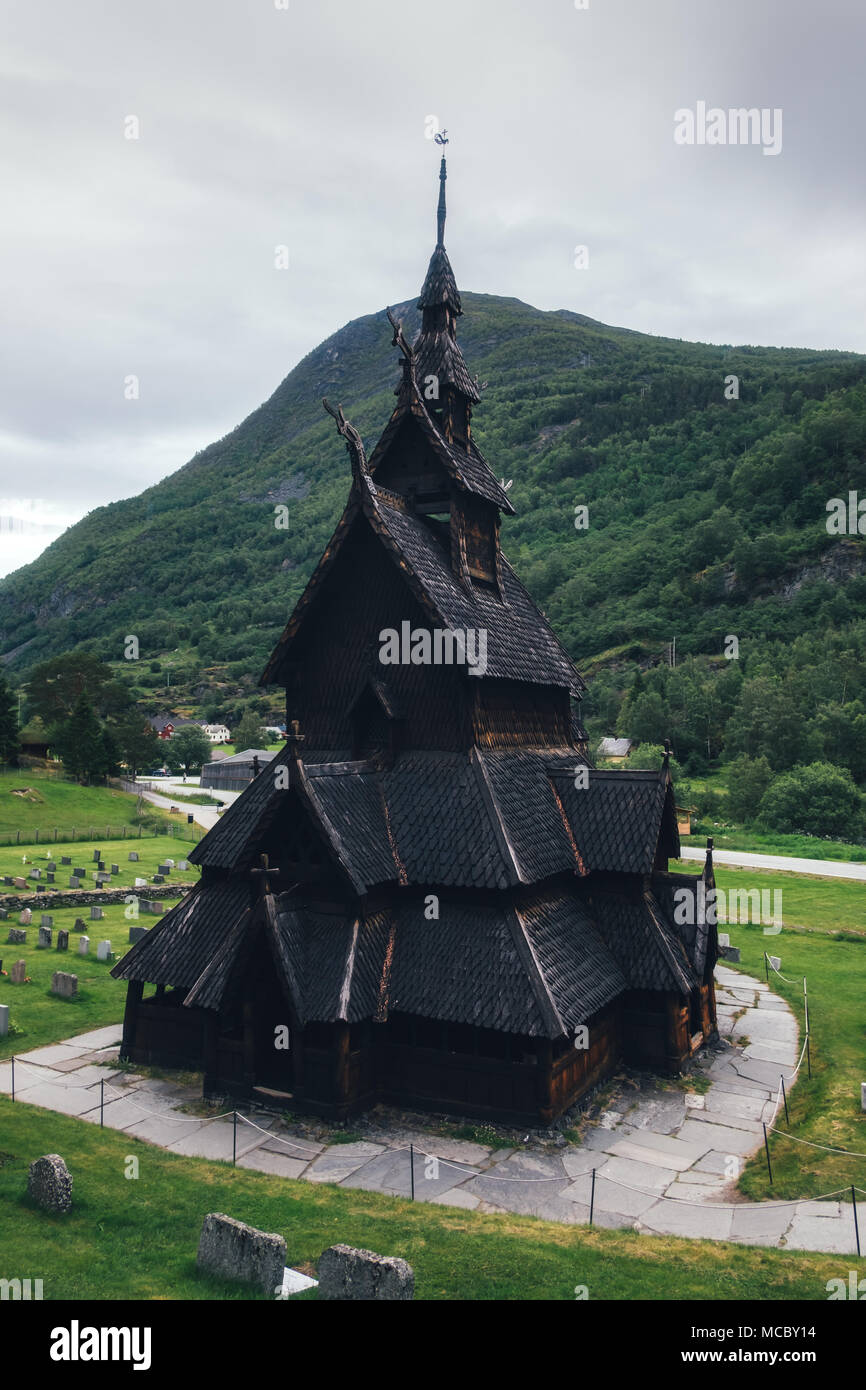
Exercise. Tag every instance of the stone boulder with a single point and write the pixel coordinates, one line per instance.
(231, 1249)
(50, 1183)
(346, 1273)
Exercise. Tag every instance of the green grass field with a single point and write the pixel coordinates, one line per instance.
(766, 842)
(40, 1015)
(29, 800)
(136, 1238)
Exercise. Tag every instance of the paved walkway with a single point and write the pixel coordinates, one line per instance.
(744, 859)
(664, 1163)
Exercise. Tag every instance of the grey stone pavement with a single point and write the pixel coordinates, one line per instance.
(664, 1163)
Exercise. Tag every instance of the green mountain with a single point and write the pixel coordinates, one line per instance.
(707, 516)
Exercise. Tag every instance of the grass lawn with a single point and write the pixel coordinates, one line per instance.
(29, 800)
(41, 1015)
(823, 938)
(137, 1238)
(767, 842)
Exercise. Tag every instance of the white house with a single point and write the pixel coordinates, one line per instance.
(217, 733)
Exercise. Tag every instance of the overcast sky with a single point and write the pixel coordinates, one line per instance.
(303, 123)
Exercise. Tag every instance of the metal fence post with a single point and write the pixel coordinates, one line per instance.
(592, 1197)
(856, 1226)
(412, 1171)
(767, 1147)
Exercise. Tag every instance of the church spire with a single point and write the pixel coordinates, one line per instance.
(440, 211)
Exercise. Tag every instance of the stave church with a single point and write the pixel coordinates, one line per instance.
(430, 898)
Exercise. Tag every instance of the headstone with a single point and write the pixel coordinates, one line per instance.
(731, 953)
(17, 937)
(66, 986)
(44, 942)
(50, 876)
(19, 972)
(97, 855)
(231, 1249)
(183, 866)
(775, 962)
(141, 883)
(47, 920)
(50, 867)
(25, 917)
(724, 938)
(64, 859)
(80, 873)
(101, 866)
(115, 868)
(63, 940)
(7, 879)
(155, 909)
(74, 882)
(348, 1274)
(35, 873)
(159, 878)
(103, 950)
(163, 869)
(169, 864)
(4, 1020)
(83, 945)
(4, 913)
(19, 883)
(102, 879)
(96, 914)
(136, 933)
(80, 924)
(133, 856)
(50, 1184)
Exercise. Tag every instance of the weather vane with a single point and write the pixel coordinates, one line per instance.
(441, 137)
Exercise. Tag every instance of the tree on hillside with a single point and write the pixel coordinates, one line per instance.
(56, 685)
(81, 743)
(187, 750)
(249, 733)
(748, 779)
(8, 723)
(818, 799)
(139, 746)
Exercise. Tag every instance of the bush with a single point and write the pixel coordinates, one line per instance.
(816, 799)
(748, 780)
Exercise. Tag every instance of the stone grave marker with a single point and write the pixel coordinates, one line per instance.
(49, 1183)
(169, 864)
(349, 1274)
(19, 882)
(96, 914)
(80, 924)
(163, 869)
(80, 873)
(115, 868)
(133, 856)
(103, 950)
(44, 942)
(25, 917)
(16, 937)
(183, 866)
(74, 882)
(64, 859)
(136, 933)
(64, 985)
(63, 940)
(141, 883)
(101, 866)
(83, 945)
(50, 867)
(47, 920)
(4, 913)
(35, 873)
(159, 878)
(4, 1020)
(775, 962)
(97, 855)
(50, 876)
(19, 972)
(233, 1250)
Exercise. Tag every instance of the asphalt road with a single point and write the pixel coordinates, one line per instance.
(744, 859)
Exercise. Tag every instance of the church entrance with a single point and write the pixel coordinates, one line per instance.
(267, 1017)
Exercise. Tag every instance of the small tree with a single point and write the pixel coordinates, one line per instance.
(818, 799)
(249, 733)
(8, 723)
(138, 744)
(748, 779)
(188, 750)
(81, 743)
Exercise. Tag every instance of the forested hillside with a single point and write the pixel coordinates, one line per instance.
(706, 519)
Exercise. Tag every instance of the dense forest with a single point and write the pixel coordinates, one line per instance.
(706, 474)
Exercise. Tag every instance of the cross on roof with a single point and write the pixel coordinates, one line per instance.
(263, 874)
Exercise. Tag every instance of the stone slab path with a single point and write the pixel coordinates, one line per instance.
(664, 1163)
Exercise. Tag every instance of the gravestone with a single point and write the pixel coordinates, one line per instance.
(80, 873)
(97, 855)
(136, 933)
(50, 867)
(64, 859)
(19, 883)
(83, 945)
(46, 920)
(115, 868)
(101, 866)
(163, 869)
(50, 877)
(169, 864)
(349, 1274)
(17, 937)
(80, 924)
(74, 882)
(141, 883)
(96, 914)
(133, 856)
(35, 873)
(25, 917)
(103, 950)
(102, 879)
(775, 962)
(730, 953)
(154, 909)
(19, 972)
(4, 913)
(4, 1020)
(863, 1095)
(63, 940)
(7, 879)
(158, 878)
(44, 942)
(66, 986)
(231, 1249)
(49, 1183)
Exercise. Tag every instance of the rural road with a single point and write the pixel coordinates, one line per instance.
(205, 816)
(743, 859)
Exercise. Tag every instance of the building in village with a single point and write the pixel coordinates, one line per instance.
(429, 886)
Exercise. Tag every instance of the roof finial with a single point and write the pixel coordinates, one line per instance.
(441, 138)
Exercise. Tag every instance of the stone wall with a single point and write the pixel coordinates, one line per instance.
(87, 897)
